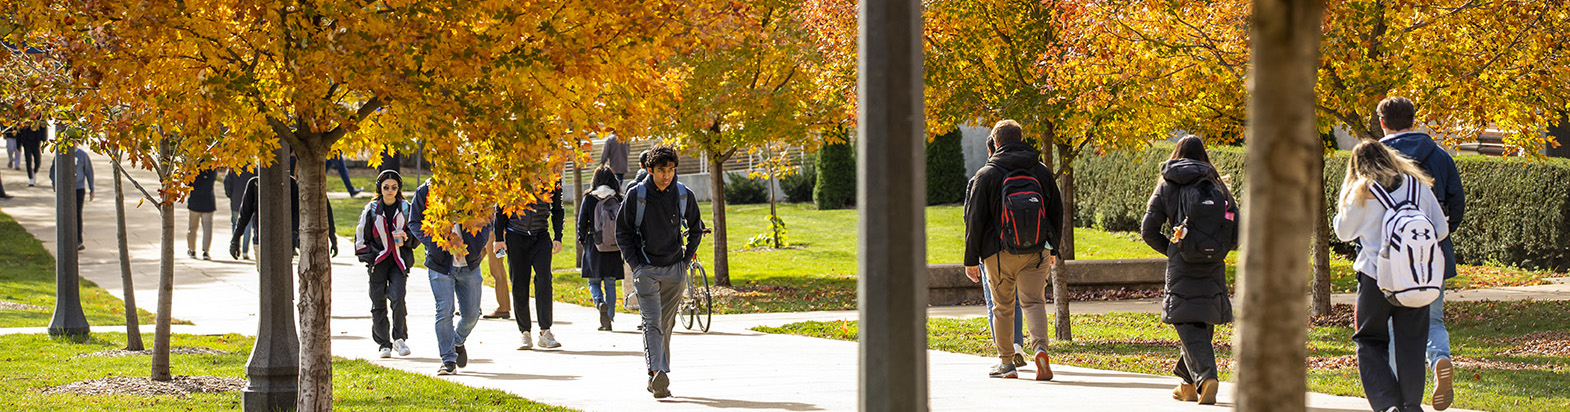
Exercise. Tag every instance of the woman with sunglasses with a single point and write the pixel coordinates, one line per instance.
(381, 240)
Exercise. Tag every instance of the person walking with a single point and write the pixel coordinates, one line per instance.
(31, 137)
(614, 154)
(13, 151)
(84, 187)
(234, 189)
(1015, 187)
(1396, 118)
(529, 248)
(602, 264)
(381, 240)
(250, 214)
(649, 232)
(200, 205)
(1191, 197)
(1377, 175)
(986, 294)
(454, 275)
(337, 163)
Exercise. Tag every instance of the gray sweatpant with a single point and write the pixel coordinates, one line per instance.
(659, 291)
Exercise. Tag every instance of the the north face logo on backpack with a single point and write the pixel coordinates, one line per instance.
(1023, 213)
(1410, 268)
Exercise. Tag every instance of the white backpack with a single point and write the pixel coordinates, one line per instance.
(1410, 265)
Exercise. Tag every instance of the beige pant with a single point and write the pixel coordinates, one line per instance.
(1026, 274)
(205, 219)
(499, 273)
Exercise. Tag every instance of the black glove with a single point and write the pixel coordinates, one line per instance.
(234, 248)
(332, 245)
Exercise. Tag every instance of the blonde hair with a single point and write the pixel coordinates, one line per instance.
(1372, 161)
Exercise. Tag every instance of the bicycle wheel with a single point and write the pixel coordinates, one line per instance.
(688, 314)
(703, 306)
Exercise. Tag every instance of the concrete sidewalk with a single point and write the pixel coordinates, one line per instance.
(730, 367)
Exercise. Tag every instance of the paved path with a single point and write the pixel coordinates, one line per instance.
(728, 368)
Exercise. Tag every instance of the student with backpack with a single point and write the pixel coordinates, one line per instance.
(1387, 205)
(1396, 115)
(658, 231)
(601, 253)
(986, 295)
(1012, 225)
(381, 241)
(1191, 197)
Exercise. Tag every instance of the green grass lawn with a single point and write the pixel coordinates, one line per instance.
(1511, 356)
(357, 385)
(27, 276)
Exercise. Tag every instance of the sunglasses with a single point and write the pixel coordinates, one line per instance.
(389, 187)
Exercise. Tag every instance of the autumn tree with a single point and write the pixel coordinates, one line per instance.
(752, 84)
(488, 86)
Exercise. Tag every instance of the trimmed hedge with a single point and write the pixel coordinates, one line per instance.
(1517, 210)
(945, 169)
(836, 186)
(798, 187)
(743, 190)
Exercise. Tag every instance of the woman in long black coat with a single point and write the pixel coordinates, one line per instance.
(1196, 292)
(602, 268)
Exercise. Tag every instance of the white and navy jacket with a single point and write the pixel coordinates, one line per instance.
(373, 237)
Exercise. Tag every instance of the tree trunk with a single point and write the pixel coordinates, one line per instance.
(774, 215)
(1321, 239)
(165, 265)
(1060, 294)
(133, 327)
(1283, 147)
(717, 190)
(315, 271)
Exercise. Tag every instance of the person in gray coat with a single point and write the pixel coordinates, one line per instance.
(1196, 292)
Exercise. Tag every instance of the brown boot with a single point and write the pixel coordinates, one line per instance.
(1185, 392)
(500, 314)
(1207, 391)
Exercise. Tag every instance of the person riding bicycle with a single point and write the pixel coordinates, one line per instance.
(649, 230)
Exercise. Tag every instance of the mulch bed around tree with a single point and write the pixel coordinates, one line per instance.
(19, 306)
(149, 352)
(142, 386)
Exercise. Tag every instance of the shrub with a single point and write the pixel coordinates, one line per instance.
(1516, 210)
(743, 190)
(798, 187)
(836, 186)
(945, 169)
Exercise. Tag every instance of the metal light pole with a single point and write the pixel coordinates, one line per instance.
(891, 148)
(68, 318)
(275, 359)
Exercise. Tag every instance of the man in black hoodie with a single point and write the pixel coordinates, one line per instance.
(1396, 117)
(650, 230)
(1011, 272)
(529, 248)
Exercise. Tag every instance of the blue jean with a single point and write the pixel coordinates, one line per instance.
(659, 299)
(599, 289)
(247, 237)
(463, 283)
(1019, 328)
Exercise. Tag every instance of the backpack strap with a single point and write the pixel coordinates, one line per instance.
(1381, 195)
(639, 192)
(642, 194)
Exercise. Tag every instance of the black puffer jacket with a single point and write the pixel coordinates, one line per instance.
(1195, 292)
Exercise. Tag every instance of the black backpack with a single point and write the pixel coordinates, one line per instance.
(1023, 212)
(1205, 229)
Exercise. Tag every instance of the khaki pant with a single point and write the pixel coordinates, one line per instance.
(204, 220)
(1026, 274)
(499, 273)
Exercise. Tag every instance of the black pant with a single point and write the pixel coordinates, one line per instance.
(525, 254)
(32, 153)
(1198, 361)
(1385, 387)
(387, 284)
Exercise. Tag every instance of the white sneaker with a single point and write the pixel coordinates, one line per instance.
(547, 340)
(402, 348)
(385, 353)
(528, 343)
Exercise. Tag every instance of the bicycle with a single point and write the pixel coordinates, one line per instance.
(697, 305)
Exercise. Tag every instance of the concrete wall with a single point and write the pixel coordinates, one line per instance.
(698, 182)
(947, 284)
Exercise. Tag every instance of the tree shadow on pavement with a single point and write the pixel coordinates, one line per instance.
(729, 404)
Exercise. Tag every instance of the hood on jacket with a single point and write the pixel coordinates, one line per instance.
(603, 192)
(1185, 171)
(1420, 145)
(1015, 156)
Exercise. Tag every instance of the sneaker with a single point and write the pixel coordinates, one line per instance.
(528, 343)
(660, 385)
(207, 256)
(1185, 392)
(1043, 366)
(31, 182)
(1207, 391)
(81, 246)
(402, 348)
(463, 356)
(448, 368)
(191, 253)
(500, 314)
(547, 340)
(1019, 357)
(1004, 370)
(605, 316)
(384, 353)
(1444, 393)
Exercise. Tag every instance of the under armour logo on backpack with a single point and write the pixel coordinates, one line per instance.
(1422, 233)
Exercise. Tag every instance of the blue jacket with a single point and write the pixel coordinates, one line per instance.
(437, 259)
(1447, 182)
